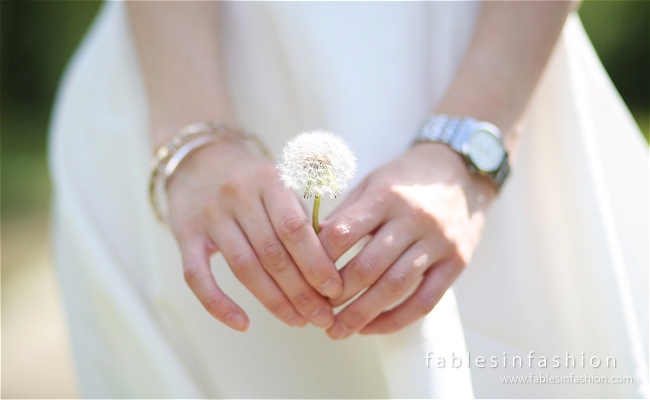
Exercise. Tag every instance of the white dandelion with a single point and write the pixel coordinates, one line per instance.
(317, 164)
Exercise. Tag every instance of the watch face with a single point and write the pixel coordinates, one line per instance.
(485, 151)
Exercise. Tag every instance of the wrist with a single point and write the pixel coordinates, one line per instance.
(164, 126)
(506, 121)
(452, 169)
(474, 93)
(479, 143)
(188, 141)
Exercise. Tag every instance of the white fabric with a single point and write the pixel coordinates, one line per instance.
(563, 265)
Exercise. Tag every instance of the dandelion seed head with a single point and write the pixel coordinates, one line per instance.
(317, 163)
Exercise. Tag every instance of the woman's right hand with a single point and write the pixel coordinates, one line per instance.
(221, 197)
(224, 198)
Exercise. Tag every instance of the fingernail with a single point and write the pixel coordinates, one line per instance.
(237, 321)
(337, 331)
(321, 317)
(296, 320)
(332, 288)
(369, 330)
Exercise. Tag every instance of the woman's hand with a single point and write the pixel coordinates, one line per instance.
(223, 198)
(425, 213)
(424, 210)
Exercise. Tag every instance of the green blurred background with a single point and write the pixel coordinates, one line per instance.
(36, 41)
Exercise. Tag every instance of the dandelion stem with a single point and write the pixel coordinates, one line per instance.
(314, 216)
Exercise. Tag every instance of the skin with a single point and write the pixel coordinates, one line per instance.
(221, 197)
(425, 212)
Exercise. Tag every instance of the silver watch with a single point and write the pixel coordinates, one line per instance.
(480, 143)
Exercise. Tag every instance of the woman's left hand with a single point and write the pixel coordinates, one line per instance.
(425, 213)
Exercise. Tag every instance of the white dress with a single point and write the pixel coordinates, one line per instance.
(562, 267)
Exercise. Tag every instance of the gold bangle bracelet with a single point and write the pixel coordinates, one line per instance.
(170, 155)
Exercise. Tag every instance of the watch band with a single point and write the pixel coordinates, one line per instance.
(453, 131)
(502, 172)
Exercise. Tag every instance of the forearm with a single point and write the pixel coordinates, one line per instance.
(179, 53)
(504, 61)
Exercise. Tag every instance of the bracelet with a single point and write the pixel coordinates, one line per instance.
(170, 155)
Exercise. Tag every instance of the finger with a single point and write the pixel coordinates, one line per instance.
(385, 292)
(244, 264)
(374, 259)
(434, 285)
(350, 225)
(279, 264)
(349, 200)
(299, 238)
(196, 269)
